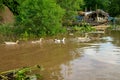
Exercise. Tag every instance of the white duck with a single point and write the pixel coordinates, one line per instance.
(57, 41)
(12, 43)
(60, 41)
(63, 40)
(84, 39)
(37, 41)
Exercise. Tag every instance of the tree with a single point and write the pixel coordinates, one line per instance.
(114, 8)
(40, 17)
(71, 7)
(1, 4)
(11, 4)
(111, 6)
(96, 4)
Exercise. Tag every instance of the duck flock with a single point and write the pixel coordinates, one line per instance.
(41, 40)
(84, 39)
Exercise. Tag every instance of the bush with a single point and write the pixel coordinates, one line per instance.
(6, 30)
(85, 28)
(40, 18)
(71, 7)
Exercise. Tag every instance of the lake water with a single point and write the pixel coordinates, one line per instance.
(96, 60)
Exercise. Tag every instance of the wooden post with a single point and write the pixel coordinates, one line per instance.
(85, 9)
(96, 13)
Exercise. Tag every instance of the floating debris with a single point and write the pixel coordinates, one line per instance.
(21, 74)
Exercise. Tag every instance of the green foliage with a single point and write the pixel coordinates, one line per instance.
(12, 5)
(6, 30)
(114, 8)
(25, 36)
(96, 4)
(41, 17)
(111, 6)
(25, 73)
(36, 18)
(71, 7)
(1, 6)
(22, 74)
(85, 28)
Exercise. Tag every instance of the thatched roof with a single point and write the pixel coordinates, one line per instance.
(97, 17)
(99, 12)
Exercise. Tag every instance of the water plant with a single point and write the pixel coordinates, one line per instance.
(85, 28)
(24, 73)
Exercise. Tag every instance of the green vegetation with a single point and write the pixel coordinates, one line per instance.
(114, 8)
(110, 6)
(85, 28)
(71, 7)
(40, 19)
(25, 73)
(12, 5)
(7, 32)
(96, 4)
(36, 18)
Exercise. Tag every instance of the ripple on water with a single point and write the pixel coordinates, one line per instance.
(104, 52)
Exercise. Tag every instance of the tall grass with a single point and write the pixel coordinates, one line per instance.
(6, 32)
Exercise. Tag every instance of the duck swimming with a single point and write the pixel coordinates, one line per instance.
(37, 41)
(60, 41)
(84, 39)
(12, 43)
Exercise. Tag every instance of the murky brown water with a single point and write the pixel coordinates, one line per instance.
(98, 60)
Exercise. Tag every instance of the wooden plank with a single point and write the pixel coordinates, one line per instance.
(97, 32)
(101, 27)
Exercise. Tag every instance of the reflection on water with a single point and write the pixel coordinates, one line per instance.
(105, 52)
(98, 60)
